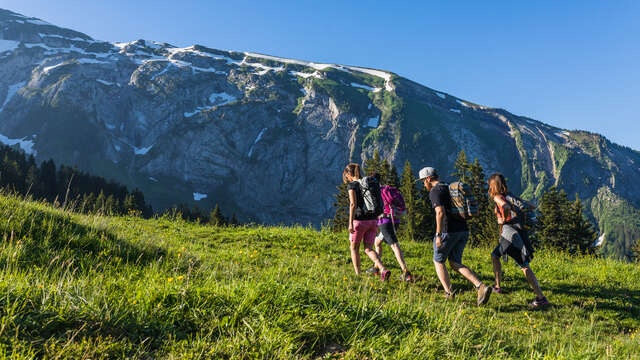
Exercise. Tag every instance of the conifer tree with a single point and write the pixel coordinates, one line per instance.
(461, 167)
(373, 165)
(215, 217)
(393, 179)
(409, 192)
(425, 215)
(562, 224)
(234, 220)
(551, 227)
(582, 234)
(341, 206)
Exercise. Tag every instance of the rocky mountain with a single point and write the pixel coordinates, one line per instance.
(267, 137)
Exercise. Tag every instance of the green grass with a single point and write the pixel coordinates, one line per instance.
(77, 286)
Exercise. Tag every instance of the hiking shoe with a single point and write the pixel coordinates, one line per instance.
(484, 292)
(406, 276)
(372, 270)
(497, 290)
(385, 275)
(539, 303)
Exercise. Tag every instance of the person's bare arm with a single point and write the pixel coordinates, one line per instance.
(499, 200)
(352, 208)
(439, 224)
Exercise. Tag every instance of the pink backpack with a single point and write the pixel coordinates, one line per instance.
(393, 200)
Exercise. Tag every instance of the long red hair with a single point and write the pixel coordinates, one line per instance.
(497, 185)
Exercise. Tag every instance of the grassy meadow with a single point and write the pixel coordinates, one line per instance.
(92, 287)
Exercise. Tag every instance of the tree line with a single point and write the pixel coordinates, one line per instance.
(559, 222)
(72, 189)
(67, 187)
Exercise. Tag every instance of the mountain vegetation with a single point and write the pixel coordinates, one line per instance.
(266, 138)
(94, 286)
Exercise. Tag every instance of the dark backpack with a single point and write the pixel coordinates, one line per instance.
(524, 213)
(371, 194)
(464, 205)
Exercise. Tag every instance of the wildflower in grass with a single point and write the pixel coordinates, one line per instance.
(170, 279)
(180, 277)
(40, 286)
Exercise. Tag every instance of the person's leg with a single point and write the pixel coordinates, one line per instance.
(497, 266)
(459, 240)
(368, 249)
(533, 281)
(455, 260)
(468, 274)
(443, 276)
(388, 231)
(497, 270)
(355, 239)
(399, 256)
(439, 259)
(378, 244)
(355, 256)
(369, 238)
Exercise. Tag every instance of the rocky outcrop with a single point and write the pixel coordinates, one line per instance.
(263, 136)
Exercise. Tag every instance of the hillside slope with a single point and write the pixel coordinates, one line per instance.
(123, 287)
(248, 131)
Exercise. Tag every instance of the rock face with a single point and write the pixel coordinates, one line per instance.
(265, 137)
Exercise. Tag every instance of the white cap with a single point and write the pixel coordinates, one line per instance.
(426, 172)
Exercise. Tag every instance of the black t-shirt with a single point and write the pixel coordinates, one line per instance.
(440, 196)
(359, 213)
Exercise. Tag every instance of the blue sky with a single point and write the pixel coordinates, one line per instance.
(572, 64)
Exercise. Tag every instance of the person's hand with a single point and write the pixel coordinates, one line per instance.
(438, 241)
(500, 221)
(351, 229)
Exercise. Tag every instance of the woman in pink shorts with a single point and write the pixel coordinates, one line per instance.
(362, 227)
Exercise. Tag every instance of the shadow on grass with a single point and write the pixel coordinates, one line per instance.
(49, 238)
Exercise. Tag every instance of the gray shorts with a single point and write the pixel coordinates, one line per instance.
(452, 247)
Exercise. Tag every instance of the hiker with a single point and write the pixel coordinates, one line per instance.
(365, 204)
(388, 223)
(452, 234)
(514, 240)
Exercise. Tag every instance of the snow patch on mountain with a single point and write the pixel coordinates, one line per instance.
(441, 95)
(256, 141)
(25, 145)
(220, 99)
(217, 99)
(108, 83)
(13, 89)
(306, 75)
(142, 151)
(378, 73)
(374, 121)
(8, 45)
(455, 111)
(365, 87)
(199, 196)
(462, 103)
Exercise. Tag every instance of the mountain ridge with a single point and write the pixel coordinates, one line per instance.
(253, 131)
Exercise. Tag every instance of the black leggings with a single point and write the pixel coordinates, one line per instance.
(389, 233)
